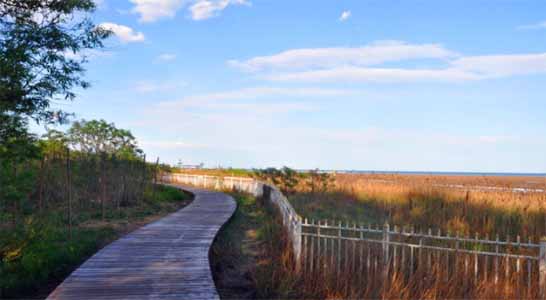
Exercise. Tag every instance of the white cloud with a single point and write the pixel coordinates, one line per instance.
(356, 74)
(372, 54)
(166, 57)
(124, 33)
(539, 25)
(153, 10)
(252, 100)
(367, 64)
(492, 66)
(345, 15)
(258, 92)
(205, 9)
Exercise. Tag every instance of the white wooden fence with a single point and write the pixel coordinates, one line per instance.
(349, 247)
(336, 247)
(291, 220)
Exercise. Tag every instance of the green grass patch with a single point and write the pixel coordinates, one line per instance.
(36, 253)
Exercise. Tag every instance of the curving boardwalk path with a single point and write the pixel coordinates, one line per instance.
(167, 259)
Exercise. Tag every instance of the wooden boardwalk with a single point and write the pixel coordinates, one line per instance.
(167, 259)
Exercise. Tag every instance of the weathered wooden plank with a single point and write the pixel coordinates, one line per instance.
(167, 259)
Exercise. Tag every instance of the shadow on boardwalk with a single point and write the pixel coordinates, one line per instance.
(167, 259)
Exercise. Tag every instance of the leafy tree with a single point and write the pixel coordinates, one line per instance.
(41, 42)
(286, 179)
(54, 142)
(99, 136)
(319, 181)
(16, 144)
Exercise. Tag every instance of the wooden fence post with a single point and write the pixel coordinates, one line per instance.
(155, 177)
(386, 240)
(542, 268)
(69, 192)
(386, 245)
(143, 184)
(297, 243)
(102, 178)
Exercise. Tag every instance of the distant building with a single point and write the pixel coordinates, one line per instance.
(190, 167)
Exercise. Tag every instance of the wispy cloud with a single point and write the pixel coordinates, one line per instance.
(493, 66)
(153, 10)
(88, 54)
(320, 58)
(260, 92)
(253, 100)
(356, 74)
(539, 25)
(165, 57)
(345, 15)
(152, 86)
(124, 33)
(244, 138)
(171, 145)
(367, 64)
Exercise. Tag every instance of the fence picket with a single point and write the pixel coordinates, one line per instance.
(305, 257)
(339, 248)
(476, 237)
(311, 267)
(353, 262)
(497, 260)
(507, 263)
(394, 254)
(411, 261)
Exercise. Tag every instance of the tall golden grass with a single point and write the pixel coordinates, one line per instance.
(353, 280)
(465, 204)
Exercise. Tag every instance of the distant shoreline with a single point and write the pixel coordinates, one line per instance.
(383, 172)
(502, 174)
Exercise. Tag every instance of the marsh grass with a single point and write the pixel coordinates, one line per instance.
(452, 204)
(421, 202)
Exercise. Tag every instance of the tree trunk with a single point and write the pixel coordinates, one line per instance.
(102, 186)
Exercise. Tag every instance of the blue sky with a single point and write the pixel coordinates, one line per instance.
(375, 85)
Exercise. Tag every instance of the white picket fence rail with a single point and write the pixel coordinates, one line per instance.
(291, 220)
(398, 246)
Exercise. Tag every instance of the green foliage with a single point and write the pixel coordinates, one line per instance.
(54, 142)
(166, 193)
(99, 136)
(318, 182)
(39, 46)
(38, 249)
(286, 179)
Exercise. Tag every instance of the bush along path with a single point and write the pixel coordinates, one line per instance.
(167, 259)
